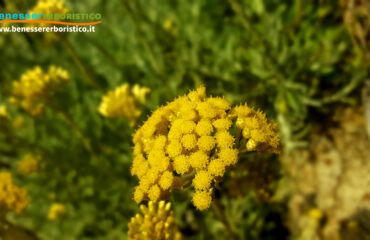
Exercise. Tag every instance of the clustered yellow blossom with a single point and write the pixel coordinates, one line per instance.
(12, 197)
(124, 101)
(49, 7)
(56, 211)
(189, 138)
(35, 86)
(29, 164)
(155, 223)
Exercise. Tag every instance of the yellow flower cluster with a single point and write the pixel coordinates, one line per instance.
(124, 101)
(35, 86)
(258, 133)
(189, 136)
(155, 223)
(29, 164)
(12, 197)
(49, 7)
(56, 211)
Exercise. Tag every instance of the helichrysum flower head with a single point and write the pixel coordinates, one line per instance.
(29, 164)
(56, 211)
(189, 138)
(156, 222)
(124, 101)
(36, 86)
(12, 197)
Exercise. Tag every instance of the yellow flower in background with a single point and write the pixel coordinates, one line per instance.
(140, 93)
(49, 7)
(124, 101)
(156, 222)
(56, 211)
(18, 122)
(168, 24)
(12, 197)
(190, 138)
(3, 115)
(35, 86)
(29, 164)
(3, 111)
(315, 213)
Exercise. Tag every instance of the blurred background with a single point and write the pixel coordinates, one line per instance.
(305, 63)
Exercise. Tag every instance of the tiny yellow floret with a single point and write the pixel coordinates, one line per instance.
(154, 193)
(229, 156)
(216, 168)
(188, 127)
(181, 164)
(206, 143)
(138, 194)
(222, 124)
(204, 128)
(189, 141)
(166, 180)
(174, 149)
(202, 200)
(224, 139)
(199, 160)
(202, 180)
